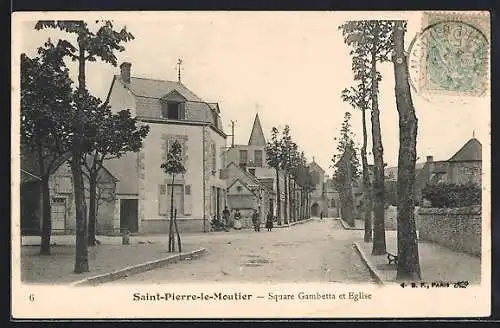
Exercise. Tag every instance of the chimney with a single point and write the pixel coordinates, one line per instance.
(125, 72)
(430, 159)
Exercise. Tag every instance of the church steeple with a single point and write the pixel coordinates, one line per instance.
(257, 136)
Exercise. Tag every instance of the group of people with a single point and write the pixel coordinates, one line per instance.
(225, 223)
(256, 221)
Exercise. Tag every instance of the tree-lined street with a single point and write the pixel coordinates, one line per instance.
(316, 251)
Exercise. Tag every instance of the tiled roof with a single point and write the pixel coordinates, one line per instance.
(158, 88)
(471, 151)
(148, 93)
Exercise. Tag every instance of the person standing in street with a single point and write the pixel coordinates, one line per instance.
(256, 220)
(225, 216)
(237, 222)
(269, 221)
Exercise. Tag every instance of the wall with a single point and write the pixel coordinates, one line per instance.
(121, 98)
(151, 175)
(457, 228)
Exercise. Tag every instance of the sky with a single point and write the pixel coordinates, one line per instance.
(290, 67)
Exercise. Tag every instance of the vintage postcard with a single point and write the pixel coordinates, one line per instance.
(250, 164)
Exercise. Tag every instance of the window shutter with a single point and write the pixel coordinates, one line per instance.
(162, 200)
(182, 111)
(187, 200)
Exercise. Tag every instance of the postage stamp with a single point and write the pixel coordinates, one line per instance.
(450, 55)
(174, 165)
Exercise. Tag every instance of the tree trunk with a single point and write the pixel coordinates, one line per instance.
(81, 251)
(349, 198)
(171, 242)
(408, 267)
(46, 217)
(92, 208)
(379, 246)
(285, 192)
(177, 231)
(278, 197)
(367, 199)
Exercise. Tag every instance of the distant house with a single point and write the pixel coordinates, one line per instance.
(173, 112)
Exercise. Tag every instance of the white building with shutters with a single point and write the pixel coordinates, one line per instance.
(173, 112)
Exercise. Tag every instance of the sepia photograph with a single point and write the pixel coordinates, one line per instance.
(251, 164)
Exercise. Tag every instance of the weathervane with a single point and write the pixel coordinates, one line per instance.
(179, 63)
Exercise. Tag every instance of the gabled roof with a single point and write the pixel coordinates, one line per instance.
(242, 183)
(250, 176)
(257, 136)
(471, 151)
(30, 169)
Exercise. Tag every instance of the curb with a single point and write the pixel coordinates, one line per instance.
(135, 269)
(346, 226)
(373, 272)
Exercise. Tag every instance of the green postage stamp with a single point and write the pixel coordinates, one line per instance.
(450, 55)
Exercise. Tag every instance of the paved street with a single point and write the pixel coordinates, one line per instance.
(317, 251)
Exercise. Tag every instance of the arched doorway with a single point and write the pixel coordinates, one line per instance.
(315, 209)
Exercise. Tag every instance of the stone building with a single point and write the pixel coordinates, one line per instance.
(173, 112)
(62, 203)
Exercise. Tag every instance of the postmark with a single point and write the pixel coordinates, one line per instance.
(450, 57)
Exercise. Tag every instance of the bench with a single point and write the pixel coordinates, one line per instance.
(392, 258)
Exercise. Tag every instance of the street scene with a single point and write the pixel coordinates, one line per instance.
(318, 150)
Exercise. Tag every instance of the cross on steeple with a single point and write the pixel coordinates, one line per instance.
(179, 63)
(473, 133)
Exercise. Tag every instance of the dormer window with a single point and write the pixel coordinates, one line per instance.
(173, 110)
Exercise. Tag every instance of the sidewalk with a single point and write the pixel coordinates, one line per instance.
(358, 224)
(437, 263)
(109, 256)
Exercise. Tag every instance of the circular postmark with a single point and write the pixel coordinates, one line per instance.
(450, 59)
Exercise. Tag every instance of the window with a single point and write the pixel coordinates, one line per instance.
(63, 184)
(187, 189)
(243, 157)
(214, 158)
(258, 158)
(332, 203)
(239, 188)
(165, 196)
(173, 110)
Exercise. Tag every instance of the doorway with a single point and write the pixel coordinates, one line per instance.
(129, 216)
(315, 209)
(58, 215)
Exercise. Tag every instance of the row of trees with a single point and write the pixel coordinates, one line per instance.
(284, 156)
(59, 121)
(373, 43)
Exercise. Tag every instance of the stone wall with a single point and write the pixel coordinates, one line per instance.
(457, 228)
